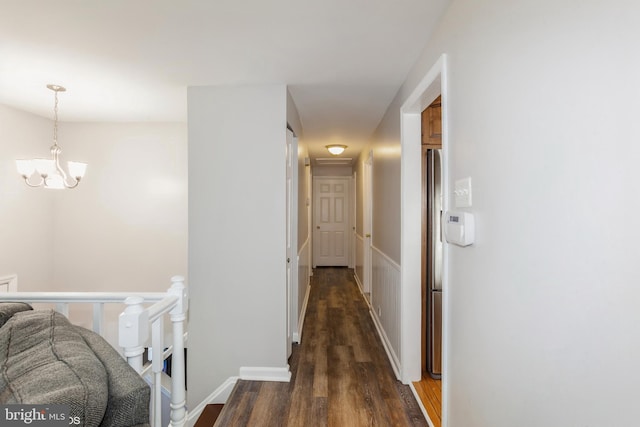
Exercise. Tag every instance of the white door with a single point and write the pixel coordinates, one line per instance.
(331, 221)
(292, 238)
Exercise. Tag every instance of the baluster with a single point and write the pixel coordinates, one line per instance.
(157, 350)
(63, 308)
(133, 331)
(98, 317)
(178, 316)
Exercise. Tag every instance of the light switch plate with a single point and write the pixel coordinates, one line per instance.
(462, 193)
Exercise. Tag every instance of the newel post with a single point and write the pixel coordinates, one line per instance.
(133, 331)
(178, 317)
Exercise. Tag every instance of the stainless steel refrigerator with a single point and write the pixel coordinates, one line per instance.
(434, 262)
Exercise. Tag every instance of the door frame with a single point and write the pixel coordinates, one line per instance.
(434, 83)
(367, 222)
(291, 237)
(354, 220)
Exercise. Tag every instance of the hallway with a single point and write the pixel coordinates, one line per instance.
(340, 373)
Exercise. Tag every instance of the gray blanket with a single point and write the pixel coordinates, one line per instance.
(44, 359)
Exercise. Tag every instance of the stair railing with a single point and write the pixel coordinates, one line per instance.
(142, 319)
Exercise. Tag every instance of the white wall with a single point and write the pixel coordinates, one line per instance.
(236, 233)
(293, 118)
(304, 195)
(332, 171)
(305, 201)
(542, 114)
(304, 173)
(385, 191)
(26, 214)
(125, 226)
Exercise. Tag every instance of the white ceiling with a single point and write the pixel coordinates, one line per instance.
(132, 60)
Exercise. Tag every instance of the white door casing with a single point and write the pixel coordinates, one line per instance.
(331, 221)
(434, 83)
(354, 220)
(292, 237)
(367, 222)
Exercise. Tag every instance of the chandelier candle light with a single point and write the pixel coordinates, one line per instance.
(49, 170)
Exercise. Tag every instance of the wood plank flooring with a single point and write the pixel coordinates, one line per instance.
(340, 372)
(209, 415)
(430, 393)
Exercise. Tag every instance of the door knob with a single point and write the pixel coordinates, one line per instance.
(318, 227)
(367, 235)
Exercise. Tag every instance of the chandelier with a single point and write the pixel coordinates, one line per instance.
(49, 171)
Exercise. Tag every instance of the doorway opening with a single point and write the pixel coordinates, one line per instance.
(432, 85)
(429, 388)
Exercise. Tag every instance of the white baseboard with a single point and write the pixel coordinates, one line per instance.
(251, 373)
(393, 359)
(303, 314)
(360, 285)
(219, 395)
(222, 393)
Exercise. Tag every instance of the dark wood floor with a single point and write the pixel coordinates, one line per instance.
(340, 373)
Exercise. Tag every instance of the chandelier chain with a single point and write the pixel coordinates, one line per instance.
(55, 120)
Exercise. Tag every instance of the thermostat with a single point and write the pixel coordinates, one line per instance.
(459, 228)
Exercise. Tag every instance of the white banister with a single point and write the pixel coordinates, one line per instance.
(133, 331)
(162, 307)
(76, 297)
(142, 317)
(178, 317)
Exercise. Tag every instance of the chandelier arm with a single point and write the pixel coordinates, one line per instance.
(26, 180)
(55, 152)
(74, 185)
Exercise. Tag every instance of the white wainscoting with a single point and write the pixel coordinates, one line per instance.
(385, 304)
(304, 274)
(359, 270)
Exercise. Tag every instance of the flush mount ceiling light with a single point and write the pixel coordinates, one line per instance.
(49, 170)
(336, 149)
